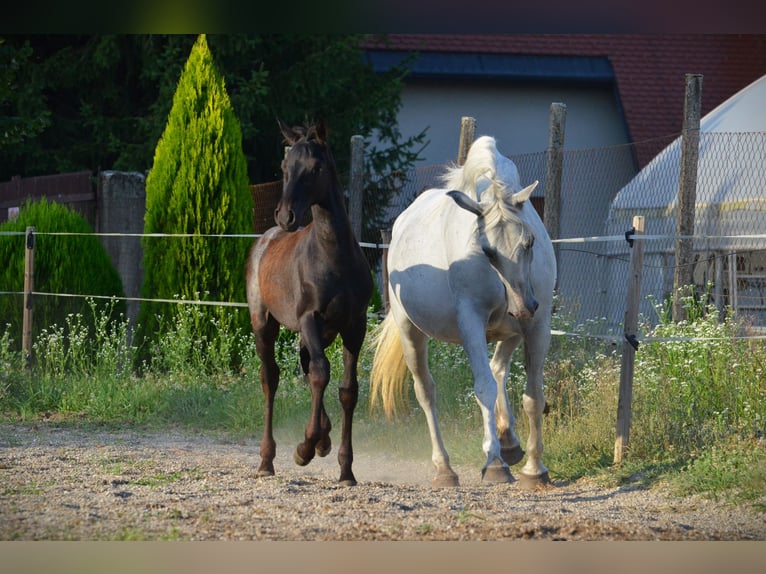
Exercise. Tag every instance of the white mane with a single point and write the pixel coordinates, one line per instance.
(486, 172)
(485, 168)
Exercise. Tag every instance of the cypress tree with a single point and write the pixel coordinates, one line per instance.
(197, 185)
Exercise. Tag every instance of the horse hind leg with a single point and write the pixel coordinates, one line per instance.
(265, 338)
(415, 347)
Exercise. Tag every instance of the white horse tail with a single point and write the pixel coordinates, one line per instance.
(389, 369)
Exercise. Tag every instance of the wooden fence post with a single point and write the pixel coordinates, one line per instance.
(553, 170)
(683, 273)
(356, 185)
(630, 344)
(29, 286)
(467, 130)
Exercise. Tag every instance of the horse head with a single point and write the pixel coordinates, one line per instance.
(308, 172)
(507, 242)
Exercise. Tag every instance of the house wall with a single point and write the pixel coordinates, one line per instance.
(516, 115)
(507, 83)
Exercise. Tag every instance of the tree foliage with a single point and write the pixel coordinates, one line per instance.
(108, 97)
(22, 112)
(198, 185)
(94, 102)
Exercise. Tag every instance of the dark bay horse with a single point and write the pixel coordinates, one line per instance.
(315, 281)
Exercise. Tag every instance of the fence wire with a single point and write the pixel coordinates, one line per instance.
(602, 189)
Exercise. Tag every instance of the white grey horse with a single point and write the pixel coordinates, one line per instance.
(470, 264)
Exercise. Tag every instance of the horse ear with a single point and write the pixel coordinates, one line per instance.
(289, 133)
(523, 195)
(466, 202)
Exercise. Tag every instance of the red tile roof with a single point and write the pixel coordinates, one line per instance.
(649, 69)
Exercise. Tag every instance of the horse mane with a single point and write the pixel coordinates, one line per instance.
(317, 132)
(309, 131)
(478, 178)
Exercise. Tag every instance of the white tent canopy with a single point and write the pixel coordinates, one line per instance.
(730, 197)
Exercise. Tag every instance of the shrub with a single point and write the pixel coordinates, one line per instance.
(66, 264)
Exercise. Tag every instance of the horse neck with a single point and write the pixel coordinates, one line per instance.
(330, 219)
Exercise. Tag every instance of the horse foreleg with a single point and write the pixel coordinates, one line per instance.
(324, 446)
(318, 378)
(534, 473)
(474, 341)
(510, 446)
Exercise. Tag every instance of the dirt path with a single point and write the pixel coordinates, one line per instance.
(71, 484)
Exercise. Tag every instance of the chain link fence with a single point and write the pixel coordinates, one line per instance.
(729, 240)
(602, 189)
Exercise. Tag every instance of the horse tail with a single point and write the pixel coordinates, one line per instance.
(389, 369)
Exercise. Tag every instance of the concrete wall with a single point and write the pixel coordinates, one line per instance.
(121, 208)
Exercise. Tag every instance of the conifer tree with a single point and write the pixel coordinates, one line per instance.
(197, 185)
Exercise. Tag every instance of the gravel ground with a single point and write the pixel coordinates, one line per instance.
(68, 483)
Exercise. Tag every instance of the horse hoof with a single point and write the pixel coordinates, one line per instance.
(265, 472)
(324, 447)
(534, 481)
(299, 460)
(512, 455)
(445, 480)
(496, 473)
(348, 482)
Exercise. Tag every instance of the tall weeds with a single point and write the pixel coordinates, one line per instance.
(699, 392)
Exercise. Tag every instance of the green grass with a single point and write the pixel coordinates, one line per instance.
(734, 470)
(699, 407)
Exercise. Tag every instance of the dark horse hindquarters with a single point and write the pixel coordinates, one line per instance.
(316, 281)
